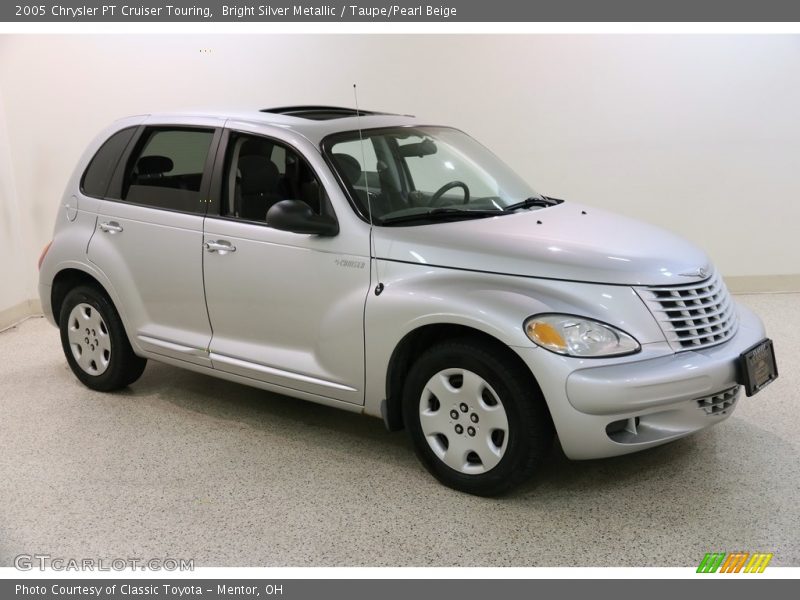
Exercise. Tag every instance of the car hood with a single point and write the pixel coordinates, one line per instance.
(567, 241)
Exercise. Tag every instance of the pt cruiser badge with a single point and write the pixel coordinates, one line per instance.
(247, 246)
(353, 264)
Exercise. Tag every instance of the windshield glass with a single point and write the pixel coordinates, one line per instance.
(410, 172)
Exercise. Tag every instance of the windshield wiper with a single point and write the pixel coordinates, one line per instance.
(449, 212)
(542, 201)
(441, 214)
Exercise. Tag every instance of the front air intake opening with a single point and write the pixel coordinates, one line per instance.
(624, 430)
(719, 404)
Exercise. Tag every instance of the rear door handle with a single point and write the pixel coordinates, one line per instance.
(111, 227)
(221, 246)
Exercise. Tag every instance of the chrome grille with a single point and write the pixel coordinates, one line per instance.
(694, 315)
(719, 404)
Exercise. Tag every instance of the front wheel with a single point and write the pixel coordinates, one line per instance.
(475, 420)
(95, 342)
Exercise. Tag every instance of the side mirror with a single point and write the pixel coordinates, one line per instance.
(297, 217)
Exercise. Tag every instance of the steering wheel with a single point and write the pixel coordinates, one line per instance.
(437, 195)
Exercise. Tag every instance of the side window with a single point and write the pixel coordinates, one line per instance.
(259, 172)
(350, 157)
(368, 169)
(98, 174)
(167, 169)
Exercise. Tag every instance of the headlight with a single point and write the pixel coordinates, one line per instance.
(578, 336)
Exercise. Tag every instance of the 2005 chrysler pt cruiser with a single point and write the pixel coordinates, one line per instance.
(381, 265)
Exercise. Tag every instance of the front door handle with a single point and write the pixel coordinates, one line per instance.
(221, 246)
(111, 227)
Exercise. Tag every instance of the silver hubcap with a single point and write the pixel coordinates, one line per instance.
(89, 339)
(463, 421)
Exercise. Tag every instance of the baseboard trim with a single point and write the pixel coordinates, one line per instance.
(19, 312)
(761, 284)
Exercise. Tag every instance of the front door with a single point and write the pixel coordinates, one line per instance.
(285, 308)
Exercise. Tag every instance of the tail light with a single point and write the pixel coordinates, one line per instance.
(44, 253)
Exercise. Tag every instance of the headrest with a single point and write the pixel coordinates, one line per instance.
(349, 167)
(259, 175)
(254, 146)
(154, 165)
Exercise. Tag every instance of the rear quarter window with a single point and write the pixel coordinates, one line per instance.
(167, 169)
(97, 176)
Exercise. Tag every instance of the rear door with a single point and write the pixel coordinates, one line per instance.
(149, 236)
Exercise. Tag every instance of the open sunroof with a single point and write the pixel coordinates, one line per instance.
(320, 113)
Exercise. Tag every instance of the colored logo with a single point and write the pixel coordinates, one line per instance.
(734, 562)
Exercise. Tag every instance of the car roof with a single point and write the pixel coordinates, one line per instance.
(314, 122)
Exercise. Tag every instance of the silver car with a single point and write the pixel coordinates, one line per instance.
(381, 265)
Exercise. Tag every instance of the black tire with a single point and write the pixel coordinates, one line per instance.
(123, 366)
(529, 426)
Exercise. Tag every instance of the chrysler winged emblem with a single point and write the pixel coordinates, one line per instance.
(701, 272)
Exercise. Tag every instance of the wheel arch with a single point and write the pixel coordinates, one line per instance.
(421, 338)
(67, 279)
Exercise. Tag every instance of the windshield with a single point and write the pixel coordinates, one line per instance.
(408, 174)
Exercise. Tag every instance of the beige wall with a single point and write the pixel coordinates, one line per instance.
(697, 133)
(16, 266)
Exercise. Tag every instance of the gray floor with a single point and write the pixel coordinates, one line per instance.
(187, 466)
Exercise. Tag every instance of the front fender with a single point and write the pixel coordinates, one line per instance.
(416, 296)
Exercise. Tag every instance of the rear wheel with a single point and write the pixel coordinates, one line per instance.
(476, 422)
(95, 342)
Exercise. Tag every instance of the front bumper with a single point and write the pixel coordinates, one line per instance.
(619, 407)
